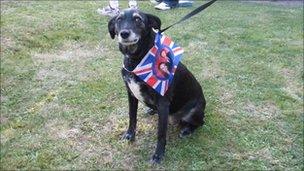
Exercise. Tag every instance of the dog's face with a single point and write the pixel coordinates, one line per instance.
(131, 25)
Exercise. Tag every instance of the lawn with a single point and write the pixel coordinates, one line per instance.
(64, 105)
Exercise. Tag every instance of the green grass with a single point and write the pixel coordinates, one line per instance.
(64, 105)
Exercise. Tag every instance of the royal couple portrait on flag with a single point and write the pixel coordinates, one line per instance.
(159, 65)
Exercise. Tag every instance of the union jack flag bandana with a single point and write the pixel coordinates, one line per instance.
(157, 68)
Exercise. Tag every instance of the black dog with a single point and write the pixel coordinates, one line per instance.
(184, 98)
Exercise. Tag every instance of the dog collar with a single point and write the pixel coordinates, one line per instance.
(124, 67)
(158, 66)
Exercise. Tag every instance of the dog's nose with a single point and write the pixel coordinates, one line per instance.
(125, 34)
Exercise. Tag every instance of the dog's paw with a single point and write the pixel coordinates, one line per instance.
(156, 159)
(150, 111)
(130, 136)
(185, 132)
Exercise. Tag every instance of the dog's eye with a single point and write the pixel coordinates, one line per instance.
(137, 19)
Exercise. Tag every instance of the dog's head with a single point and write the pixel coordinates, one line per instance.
(132, 25)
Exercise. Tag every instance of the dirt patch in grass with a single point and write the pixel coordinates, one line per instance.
(212, 65)
(71, 52)
(212, 70)
(3, 98)
(54, 107)
(7, 135)
(87, 146)
(69, 55)
(263, 154)
(57, 129)
(292, 88)
(96, 142)
(50, 73)
(296, 43)
(280, 2)
(69, 65)
(7, 43)
(266, 111)
(3, 119)
(117, 124)
(227, 97)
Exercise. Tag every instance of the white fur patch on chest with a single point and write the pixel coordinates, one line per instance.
(135, 89)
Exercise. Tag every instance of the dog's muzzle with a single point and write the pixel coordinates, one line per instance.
(127, 37)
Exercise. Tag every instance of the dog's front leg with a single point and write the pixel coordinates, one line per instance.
(163, 112)
(133, 104)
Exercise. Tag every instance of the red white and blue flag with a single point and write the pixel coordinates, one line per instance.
(157, 68)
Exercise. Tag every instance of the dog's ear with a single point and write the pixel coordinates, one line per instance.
(154, 21)
(111, 27)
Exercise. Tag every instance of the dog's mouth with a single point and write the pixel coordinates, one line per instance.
(129, 42)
